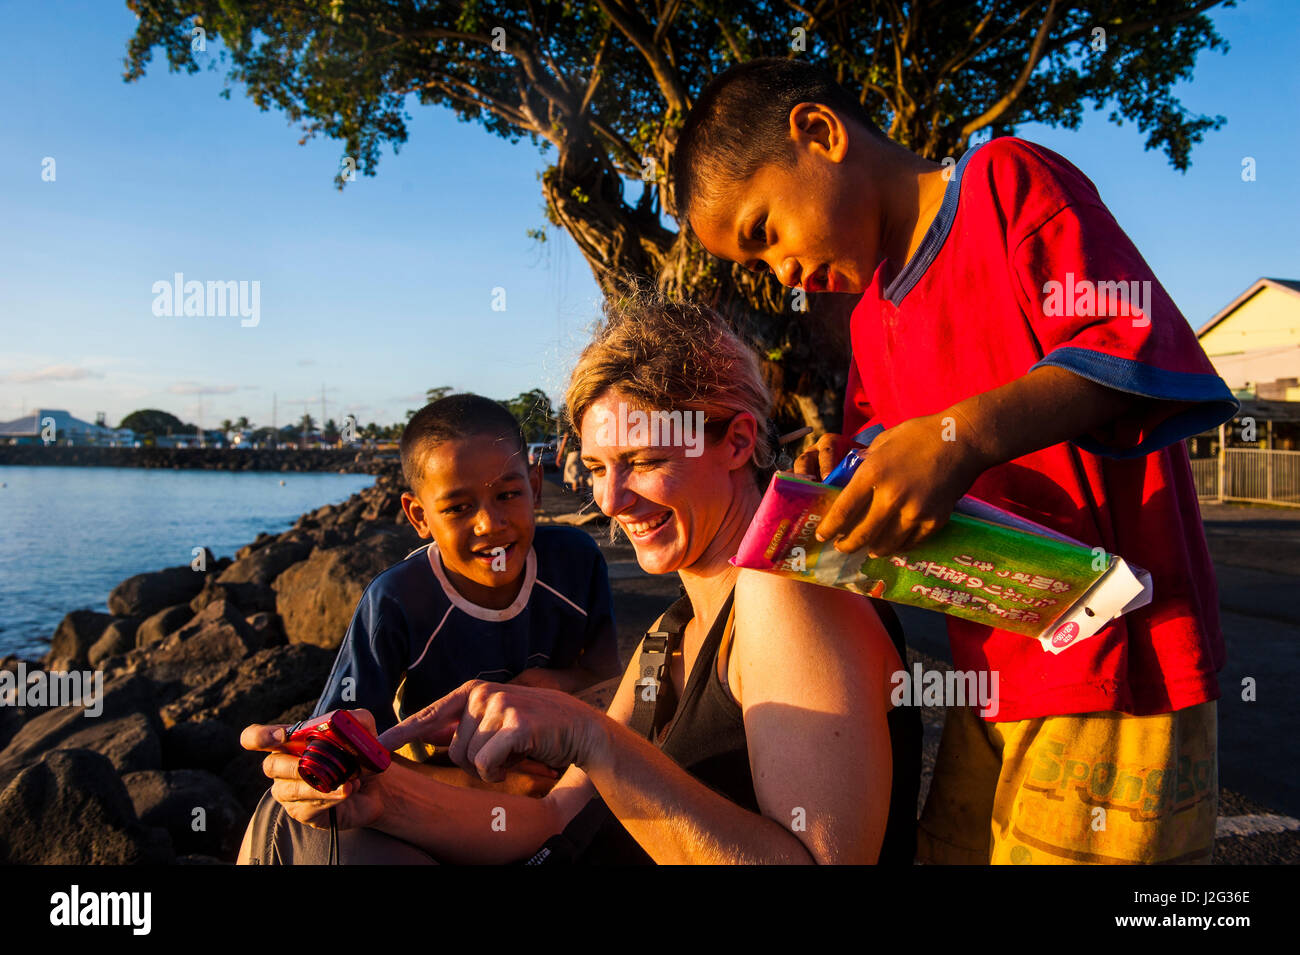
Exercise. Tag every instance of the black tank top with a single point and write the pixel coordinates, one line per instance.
(706, 737)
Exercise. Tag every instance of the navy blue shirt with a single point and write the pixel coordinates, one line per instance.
(413, 638)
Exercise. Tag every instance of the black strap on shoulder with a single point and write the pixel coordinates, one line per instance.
(652, 664)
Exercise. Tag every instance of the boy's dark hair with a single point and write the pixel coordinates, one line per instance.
(449, 419)
(741, 122)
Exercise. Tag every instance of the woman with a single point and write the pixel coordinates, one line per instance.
(773, 739)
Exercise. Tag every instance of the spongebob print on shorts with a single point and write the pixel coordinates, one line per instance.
(1094, 788)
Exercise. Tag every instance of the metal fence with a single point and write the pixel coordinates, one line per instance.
(1249, 474)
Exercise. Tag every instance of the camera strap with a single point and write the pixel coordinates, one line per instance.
(334, 857)
(653, 701)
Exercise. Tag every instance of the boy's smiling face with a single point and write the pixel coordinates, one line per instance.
(476, 501)
(812, 222)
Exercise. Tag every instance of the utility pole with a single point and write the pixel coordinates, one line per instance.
(275, 431)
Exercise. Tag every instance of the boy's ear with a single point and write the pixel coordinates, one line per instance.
(535, 482)
(819, 128)
(414, 512)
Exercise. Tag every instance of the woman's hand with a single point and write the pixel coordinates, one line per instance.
(358, 802)
(490, 727)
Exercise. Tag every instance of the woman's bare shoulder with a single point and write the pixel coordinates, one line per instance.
(777, 616)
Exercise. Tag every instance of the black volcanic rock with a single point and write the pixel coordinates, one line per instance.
(203, 744)
(145, 594)
(162, 624)
(76, 634)
(72, 809)
(257, 689)
(316, 597)
(207, 647)
(125, 731)
(197, 809)
(117, 638)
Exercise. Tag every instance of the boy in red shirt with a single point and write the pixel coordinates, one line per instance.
(1009, 342)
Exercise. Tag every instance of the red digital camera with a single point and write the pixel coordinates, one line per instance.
(333, 749)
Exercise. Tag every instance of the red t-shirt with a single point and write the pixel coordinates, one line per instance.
(1009, 277)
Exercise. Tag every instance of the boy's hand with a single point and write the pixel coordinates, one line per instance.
(820, 460)
(905, 488)
(355, 803)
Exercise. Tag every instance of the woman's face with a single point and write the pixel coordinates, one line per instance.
(666, 486)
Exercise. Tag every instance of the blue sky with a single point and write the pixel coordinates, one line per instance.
(386, 289)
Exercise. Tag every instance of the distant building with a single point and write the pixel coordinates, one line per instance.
(1254, 343)
(62, 428)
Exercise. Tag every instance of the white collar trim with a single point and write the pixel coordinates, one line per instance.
(473, 609)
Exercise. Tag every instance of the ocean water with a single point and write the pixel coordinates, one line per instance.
(68, 535)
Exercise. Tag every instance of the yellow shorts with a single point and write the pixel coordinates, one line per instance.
(1094, 788)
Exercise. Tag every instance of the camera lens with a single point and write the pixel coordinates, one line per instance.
(325, 765)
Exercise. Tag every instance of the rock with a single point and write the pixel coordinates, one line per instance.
(12, 716)
(205, 649)
(383, 505)
(296, 714)
(244, 776)
(130, 742)
(204, 744)
(118, 638)
(247, 582)
(270, 626)
(259, 688)
(260, 541)
(211, 593)
(145, 594)
(316, 597)
(323, 538)
(76, 634)
(166, 621)
(351, 513)
(200, 859)
(125, 730)
(72, 809)
(197, 809)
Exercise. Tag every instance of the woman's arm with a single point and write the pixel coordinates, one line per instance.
(813, 668)
(453, 823)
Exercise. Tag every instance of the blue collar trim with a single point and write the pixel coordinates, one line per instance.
(935, 236)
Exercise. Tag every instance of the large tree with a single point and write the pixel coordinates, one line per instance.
(603, 85)
(151, 421)
(533, 411)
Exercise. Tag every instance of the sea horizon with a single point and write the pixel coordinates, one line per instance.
(71, 534)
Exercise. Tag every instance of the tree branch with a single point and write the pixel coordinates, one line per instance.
(991, 114)
(665, 75)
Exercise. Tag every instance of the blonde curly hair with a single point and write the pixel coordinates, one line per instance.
(673, 356)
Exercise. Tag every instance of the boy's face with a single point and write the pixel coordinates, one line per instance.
(812, 222)
(476, 501)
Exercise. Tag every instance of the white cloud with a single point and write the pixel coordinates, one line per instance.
(54, 373)
(189, 388)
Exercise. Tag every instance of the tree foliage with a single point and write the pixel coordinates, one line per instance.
(604, 84)
(533, 411)
(152, 421)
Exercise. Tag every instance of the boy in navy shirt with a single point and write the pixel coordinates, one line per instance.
(492, 597)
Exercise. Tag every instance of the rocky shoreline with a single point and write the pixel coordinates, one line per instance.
(210, 459)
(152, 771)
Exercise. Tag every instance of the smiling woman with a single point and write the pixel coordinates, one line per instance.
(754, 723)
